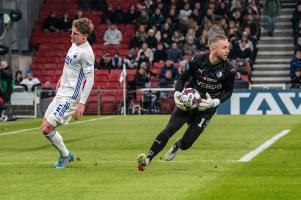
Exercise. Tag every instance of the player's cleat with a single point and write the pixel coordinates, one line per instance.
(64, 161)
(171, 153)
(142, 161)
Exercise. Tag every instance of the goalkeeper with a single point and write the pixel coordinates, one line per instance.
(213, 77)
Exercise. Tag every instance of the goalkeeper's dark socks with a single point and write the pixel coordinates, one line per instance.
(176, 146)
(150, 155)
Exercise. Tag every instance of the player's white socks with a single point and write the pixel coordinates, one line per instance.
(57, 140)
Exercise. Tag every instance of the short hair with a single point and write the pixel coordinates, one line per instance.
(83, 25)
(216, 38)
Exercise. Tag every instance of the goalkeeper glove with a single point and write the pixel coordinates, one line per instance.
(208, 103)
(177, 99)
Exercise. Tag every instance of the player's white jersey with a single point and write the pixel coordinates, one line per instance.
(79, 61)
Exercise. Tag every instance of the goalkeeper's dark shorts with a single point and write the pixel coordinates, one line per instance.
(196, 120)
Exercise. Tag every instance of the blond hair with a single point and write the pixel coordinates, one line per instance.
(215, 38)
(83, 25)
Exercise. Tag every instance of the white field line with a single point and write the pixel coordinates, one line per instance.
(78, 122)
(118, 161)
(258, 150)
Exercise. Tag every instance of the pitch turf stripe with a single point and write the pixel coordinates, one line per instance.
(78, 122)
(120, 162)
(263, 147)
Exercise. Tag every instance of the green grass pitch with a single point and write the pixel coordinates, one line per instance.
(106, 149)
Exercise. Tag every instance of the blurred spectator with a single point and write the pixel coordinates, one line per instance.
(107, 15)
(112, 35)
(236, 16)
(18, 77)
(189, 47)
(185, 12)
(85, 4)
(151, 39)
(141, 79)
(6, 111)
(47, 90)
(30, 82)
(156, 19)
(142, 32)
(51, 23)
(136, 41)
(105, 62)
(79, 15)
(160, 54)
(242, 50)
(167, 29)
(143, 60)
(173, 15)
(65, 23)
(6, 80)
(202, 44)
(222, 10)
(143, 18)
(178, 38)
(174, 53)
(119, 16)
(157, 33)
(116, 61)
(272, 9)
(147, 52)
(295, 62)
(166, 40)
(166, 81)
(92, 38)
(169, 66)
(130, 60)
(131, 15)
(296, 18)
(296, 79)
(99, 5)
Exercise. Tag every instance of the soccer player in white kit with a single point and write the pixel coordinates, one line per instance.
(71, 96)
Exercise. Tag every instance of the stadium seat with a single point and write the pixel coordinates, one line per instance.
(50, 66)
(114, 75)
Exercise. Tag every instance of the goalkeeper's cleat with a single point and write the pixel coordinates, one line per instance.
(64, 161)
(142, 161)
(171, 153)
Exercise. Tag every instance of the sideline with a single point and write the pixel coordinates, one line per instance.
(78, 122)
(264, 146)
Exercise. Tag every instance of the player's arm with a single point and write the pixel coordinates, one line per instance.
(88, 68)
(58, 83)
(180, 84)
(228, 86)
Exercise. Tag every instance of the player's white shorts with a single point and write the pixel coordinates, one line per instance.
(60, 111)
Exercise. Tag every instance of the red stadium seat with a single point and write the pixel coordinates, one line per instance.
(50, 66)
(114, 75)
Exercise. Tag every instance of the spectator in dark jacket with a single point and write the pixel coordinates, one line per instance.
(51, 23)
(141, 79)
(169, 66)
(174, 53)
(160, 54)
(6, 80)
(295, 62)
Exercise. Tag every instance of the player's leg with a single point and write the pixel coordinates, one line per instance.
(194, 130)
(177, 120)
(48, 128)
(57, 141)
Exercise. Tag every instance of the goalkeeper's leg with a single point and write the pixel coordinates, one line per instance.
(177, 120)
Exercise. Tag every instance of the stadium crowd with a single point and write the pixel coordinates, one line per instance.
(295, 71)
(173, 31)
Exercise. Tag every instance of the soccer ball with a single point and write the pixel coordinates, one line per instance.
(191, 98)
